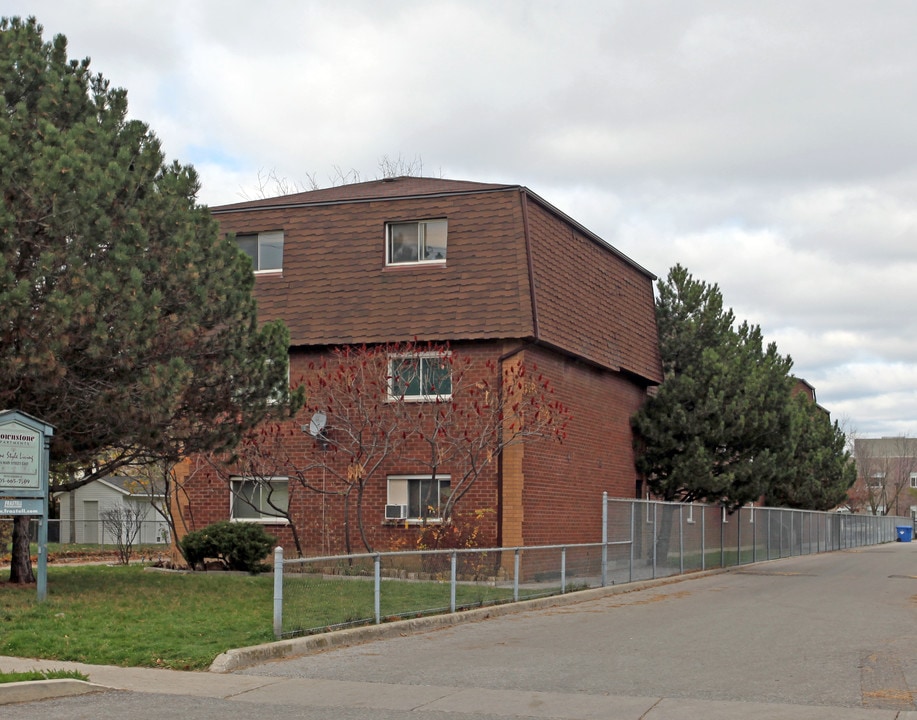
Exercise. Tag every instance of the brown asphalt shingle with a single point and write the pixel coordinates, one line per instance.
(589, 300)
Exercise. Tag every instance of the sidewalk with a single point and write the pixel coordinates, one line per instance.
(339, 694)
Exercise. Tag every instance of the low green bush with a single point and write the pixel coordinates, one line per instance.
(237, 546)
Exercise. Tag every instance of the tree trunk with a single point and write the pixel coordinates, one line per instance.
(296, 541)
(347, 548)
(360, 525)
(21, 572)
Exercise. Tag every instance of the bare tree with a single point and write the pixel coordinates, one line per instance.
(400, 166)
(261, 459)
(422, 406)
(360, 430)
(872, 472)
(123, 523)
(269, 183)
(489, 408)
(164, 483)
(351, 389)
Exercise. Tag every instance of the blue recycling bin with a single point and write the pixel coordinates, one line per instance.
(905, 533)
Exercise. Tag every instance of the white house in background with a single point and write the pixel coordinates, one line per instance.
(82, 512)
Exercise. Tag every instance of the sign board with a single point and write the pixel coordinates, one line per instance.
(21, 506)
(25, 444)
(21, 449)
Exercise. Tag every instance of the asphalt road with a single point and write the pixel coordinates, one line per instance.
(825, 636)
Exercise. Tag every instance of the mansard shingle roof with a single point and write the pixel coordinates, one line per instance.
(385, 189)
(517, 269)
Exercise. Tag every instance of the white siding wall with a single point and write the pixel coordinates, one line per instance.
(85, 529)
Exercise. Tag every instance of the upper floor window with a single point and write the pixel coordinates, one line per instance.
(265, 249)
(415, 242)
(418, 378)
(914, 480)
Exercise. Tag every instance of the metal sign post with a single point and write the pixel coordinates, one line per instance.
(25, 444)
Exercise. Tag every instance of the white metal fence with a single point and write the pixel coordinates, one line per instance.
(640, 540)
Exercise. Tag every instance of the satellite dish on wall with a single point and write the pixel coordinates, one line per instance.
(317, 423)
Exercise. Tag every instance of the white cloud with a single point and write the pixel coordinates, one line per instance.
(768, 147)
(878, 401)
(872, 224)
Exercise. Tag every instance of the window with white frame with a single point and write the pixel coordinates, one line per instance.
(265, 249)
(261, 500)
(914, 480)
(417, 497)
(423, 241)
(422, 377)
(875, 480)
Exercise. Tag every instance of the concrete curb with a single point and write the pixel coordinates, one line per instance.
(31, 690)
(239, 658)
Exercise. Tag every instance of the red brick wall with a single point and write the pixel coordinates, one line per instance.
(559, 485)
(564, 483)
(320, 518)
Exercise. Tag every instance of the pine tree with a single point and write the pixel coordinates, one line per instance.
(128, 322)
(819, 469)
(716, 428)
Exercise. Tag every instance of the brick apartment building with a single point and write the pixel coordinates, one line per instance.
(886, 481)
(496, 272)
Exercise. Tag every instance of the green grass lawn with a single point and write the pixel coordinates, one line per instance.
(312, 603)
(125, 615)
(9, 677)
(130, 617)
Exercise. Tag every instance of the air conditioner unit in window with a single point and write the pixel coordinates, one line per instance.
(396, 512)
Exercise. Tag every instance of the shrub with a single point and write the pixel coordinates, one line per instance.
(237, 546)
(460, 532)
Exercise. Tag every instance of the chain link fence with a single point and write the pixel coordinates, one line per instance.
(90, 534)
(641, 540)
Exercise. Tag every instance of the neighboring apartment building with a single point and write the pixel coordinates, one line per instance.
(498, 273)
(886, 481)
(806, 388)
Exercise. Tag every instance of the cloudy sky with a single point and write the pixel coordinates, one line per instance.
(770, 147)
